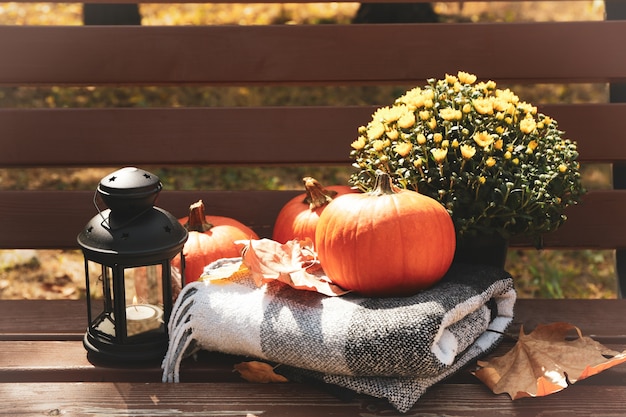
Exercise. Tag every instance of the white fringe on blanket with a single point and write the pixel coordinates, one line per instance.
(393, 348)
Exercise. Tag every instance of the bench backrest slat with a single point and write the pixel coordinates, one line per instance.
(50, 219)
(92, 137)
(303, 54)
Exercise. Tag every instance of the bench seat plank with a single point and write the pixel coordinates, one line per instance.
(67, 361)
(229, 399)
(42, 319)
(87, 137)
(309, 54)
(47, 347)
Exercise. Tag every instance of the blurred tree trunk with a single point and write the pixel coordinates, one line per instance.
(616, 10)
(111, 14)
(395, 13)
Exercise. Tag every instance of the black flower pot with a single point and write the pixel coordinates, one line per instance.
(482, 250)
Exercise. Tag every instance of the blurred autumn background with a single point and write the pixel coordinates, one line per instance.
(54, 274)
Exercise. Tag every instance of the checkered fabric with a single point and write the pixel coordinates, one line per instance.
(393, 348)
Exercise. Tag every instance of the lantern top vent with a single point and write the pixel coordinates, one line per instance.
(132, 230)
(129, 190)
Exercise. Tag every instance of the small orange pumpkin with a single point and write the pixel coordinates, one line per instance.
(210, 238)
(298, 217)
(387, 242)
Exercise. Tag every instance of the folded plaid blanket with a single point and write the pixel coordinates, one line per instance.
(393, 348)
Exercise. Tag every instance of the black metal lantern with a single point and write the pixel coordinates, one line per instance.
(128, 249)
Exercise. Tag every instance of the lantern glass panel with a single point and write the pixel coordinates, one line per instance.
(144, 300)
(100, 299)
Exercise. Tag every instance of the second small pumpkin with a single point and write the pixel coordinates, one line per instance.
(210, 238)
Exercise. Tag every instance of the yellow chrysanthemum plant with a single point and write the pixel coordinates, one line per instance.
(495, 163)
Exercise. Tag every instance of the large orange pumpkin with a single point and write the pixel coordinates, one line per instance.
(387, 242)
(210, 238)
(298, 217)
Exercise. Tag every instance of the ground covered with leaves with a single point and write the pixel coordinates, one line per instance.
(59, 274)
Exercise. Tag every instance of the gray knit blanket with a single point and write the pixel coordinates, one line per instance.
(392, 348)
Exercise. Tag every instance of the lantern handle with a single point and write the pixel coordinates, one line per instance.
(95, 203)
(105, 221)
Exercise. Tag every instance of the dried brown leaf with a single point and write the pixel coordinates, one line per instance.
(294, 263)
(255, 371)
(545, 361)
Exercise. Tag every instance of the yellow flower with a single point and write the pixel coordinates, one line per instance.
(527, 125)
(451, 79)
(533, 144)
(432, 123)
(407, 120)
(466, 78)
(467, 151)
(527, 108)
(359, 143)
(562, 168)
(421, 139)
(500, 105)
(428, 103)
(392, 134)
(467, 108)
(455, 143)
(378, 145)
(437, 137)
(417, 163)
(445, 143)
(507, 95)
(450, 114)
(424, 115)
(413, 101)
(499, 130)
(381, 114)
(490, 162)
(483, 105)
(403, 149)
(483, 139)
(439, 154)
(375, 130)
(507, 155)
(482, 179)
(498, 144)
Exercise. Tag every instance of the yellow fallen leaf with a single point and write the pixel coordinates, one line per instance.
(255, 371)
(544, 362)
(227, 272)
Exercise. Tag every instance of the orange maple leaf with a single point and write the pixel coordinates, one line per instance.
(544, 362)
(255, 371)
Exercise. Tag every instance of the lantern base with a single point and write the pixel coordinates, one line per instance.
(145, 351)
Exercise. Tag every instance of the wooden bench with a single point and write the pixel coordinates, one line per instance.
(43, 365)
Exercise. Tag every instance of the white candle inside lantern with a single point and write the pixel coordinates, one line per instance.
(141, 312)
(142, 318)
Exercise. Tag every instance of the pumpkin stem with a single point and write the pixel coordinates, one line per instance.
(316, 195)
(197, 219)
(383, 185)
